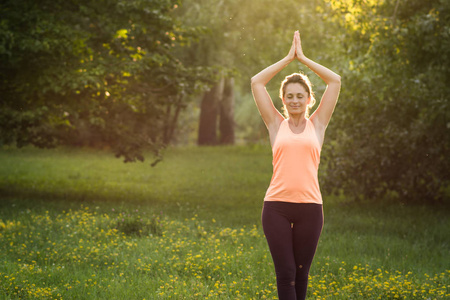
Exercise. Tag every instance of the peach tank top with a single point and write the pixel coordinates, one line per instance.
(296, 159)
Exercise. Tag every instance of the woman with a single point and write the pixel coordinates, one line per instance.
(292, 215)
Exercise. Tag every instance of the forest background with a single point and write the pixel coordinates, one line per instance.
(167, 82)
(136, 76)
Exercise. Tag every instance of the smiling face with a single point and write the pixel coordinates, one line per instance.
(296, 98)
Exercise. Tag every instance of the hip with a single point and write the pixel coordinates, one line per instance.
(294, 212)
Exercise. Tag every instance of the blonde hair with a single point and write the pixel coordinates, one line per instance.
(305, 82)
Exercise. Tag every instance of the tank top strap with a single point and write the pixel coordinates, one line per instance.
(284, 124)
(310, 125)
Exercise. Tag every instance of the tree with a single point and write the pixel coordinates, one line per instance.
(227, 113)
(93, 72)
(209, 111)
(391, 134)
(216, 108)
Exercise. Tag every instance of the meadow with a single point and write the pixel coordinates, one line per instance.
(80, 224)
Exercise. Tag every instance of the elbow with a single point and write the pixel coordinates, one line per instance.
(254, 81)
(338, 79)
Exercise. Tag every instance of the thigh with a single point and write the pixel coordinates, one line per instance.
(278, 232)
(306, 232)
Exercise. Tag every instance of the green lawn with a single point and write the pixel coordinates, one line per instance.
(80, 224)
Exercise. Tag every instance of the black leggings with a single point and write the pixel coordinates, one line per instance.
(292, 231)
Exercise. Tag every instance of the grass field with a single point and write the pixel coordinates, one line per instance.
(80, 224)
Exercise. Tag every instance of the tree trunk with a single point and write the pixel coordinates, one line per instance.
(171, 120)
(207, 132)
(226, 125)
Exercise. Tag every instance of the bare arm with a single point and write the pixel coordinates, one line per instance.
(321, 117)
(270, 115)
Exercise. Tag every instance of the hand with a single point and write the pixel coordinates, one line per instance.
(292, 52)
(298, 46)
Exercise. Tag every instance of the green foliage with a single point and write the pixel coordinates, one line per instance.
(245, 36)
(92, 72)
(389, 134)
(116, 74)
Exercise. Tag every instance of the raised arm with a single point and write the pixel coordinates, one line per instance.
(321, 117)
(270, 115)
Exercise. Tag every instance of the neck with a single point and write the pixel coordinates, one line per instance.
(297, 119)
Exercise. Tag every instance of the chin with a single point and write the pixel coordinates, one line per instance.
(296, 112)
